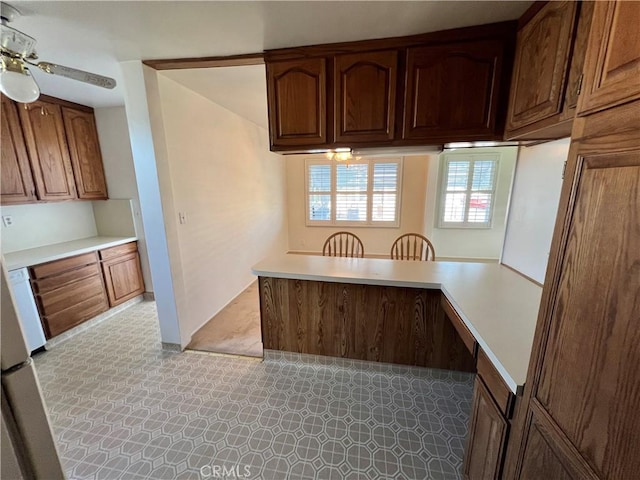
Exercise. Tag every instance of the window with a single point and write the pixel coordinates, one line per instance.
(364, 192)
(467, 187)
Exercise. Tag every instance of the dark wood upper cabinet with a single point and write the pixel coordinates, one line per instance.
(297, 100)
(84, 150)
(44, 133)
(612, 66)
(487, 437)
(423, 89)
(17, 180)
(547, 74)
(453, 90)
(365, 96)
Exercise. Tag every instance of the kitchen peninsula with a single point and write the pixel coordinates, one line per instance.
(376, 309)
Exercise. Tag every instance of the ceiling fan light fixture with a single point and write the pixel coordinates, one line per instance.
(16, 81)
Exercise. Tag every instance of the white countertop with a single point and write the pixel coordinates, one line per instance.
(499, 306)
(49, 253)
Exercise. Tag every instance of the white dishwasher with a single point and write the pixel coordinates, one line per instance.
(27, 310)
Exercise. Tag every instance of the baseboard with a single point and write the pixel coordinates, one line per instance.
(379, 255)
(171, 347)
(319, 254)
(149, 296)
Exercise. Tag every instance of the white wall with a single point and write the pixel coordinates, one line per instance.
(115, 146)
(216, 168)
(35, 225)
(468, 243)
(376, 241)
(533, 209)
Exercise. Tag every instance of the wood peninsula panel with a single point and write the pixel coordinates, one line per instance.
(364, 322)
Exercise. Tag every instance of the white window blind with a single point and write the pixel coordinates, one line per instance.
(360, 193)
(467, 190)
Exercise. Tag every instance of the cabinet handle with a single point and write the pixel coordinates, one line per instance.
(579, 86)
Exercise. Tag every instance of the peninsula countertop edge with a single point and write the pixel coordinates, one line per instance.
(499, 306)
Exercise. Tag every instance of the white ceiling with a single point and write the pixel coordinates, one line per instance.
(96, 35)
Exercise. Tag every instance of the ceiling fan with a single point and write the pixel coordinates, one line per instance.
(17, 50)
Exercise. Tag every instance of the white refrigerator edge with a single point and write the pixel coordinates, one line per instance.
(27, 442)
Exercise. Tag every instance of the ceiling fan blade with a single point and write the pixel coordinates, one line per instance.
(75, 74)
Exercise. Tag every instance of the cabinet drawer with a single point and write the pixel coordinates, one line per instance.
(119, 250)
(59, 266)
(57, 281)
(465, 334)
(492, 379)
(71, 294)
(60, 322)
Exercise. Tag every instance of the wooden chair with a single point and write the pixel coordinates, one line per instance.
(343, 244)
(412, 246)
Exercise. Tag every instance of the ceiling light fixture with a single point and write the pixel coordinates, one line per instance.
(16, 81)
(340, 155)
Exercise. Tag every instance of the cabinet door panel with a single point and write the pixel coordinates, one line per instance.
(44, 133)
(487, 437)
(542, 57)
(365, 96)
(297, 102)
(85, 154)
(452, 91)
(123, 277)
(589, 381)
(612, 65)
(541, 459)
(17, 181)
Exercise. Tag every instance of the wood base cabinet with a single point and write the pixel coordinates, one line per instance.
(487, 437)
(68, 292)
(122, 273)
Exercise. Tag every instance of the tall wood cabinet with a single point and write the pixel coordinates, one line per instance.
(17, 180)
(582, 395)
(612, 69)
(44, 133)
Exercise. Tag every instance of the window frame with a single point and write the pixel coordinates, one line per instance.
(371, 162)
(442, 186)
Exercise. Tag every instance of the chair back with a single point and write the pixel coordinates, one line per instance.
(343, 244)
(412, 246)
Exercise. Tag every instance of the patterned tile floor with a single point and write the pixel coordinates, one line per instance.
(123, 408)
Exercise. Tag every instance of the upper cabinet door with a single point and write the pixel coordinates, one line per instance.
(86, 158)
(365, 96)
(17, 181)
(452, 91)
(44, 133)
(297, 102)
(541, 65)
(612, 66)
